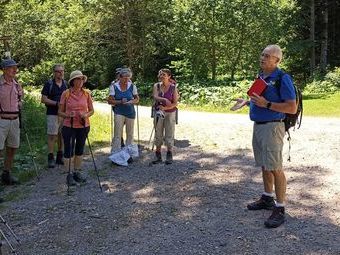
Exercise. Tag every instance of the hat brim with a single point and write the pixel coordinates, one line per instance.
(10, 65)
(78, 76)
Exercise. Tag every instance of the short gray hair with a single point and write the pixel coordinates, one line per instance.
(57, 65)
(275, 50)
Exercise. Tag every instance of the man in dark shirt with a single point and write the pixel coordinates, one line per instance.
(50, 96)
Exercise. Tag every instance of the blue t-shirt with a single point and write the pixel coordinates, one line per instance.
(127, 110)
(53, 92)
(272, 94)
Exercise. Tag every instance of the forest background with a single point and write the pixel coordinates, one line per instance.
(212, 46)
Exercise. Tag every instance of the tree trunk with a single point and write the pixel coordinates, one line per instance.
(324, 38)
(312, 37)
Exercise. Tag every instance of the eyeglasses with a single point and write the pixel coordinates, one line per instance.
(267, 56)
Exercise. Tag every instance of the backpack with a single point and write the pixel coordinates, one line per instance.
(291, 120)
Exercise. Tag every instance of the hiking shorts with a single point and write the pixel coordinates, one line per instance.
(54, 124)
(9, 133)
(268, 144)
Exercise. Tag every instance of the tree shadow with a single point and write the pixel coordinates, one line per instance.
(194, 206)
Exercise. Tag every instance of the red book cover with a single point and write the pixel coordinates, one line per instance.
(258, 87)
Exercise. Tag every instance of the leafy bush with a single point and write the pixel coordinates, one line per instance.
(330, 83)
(193, 93)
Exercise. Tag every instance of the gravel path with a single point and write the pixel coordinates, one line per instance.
(195, 206)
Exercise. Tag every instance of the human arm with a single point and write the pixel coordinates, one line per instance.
(90, 109)
(172, 104)
(288, 106)
(240, 103)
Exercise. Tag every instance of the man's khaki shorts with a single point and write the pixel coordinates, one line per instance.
(9, 133)
(54, 124)
(268, 144)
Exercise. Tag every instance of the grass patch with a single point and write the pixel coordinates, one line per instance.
(322, 105)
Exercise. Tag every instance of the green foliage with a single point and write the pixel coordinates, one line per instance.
(329, 84)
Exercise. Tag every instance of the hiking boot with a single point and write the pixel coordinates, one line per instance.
(50, 160)
(8, 179)
(78, 177)
(130, 160)
(168, 160)
(265, 202)
(59, 159)
(158, 158)
(70, 180)
(276, 219)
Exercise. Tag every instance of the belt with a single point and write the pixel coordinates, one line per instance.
(265, 122)
(9, 118)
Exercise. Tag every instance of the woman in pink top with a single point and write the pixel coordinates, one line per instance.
(76, 106)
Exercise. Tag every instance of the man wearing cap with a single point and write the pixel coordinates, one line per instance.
(268, 111)
(11, 95)
(50, 96)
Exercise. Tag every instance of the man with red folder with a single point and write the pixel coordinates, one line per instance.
(267, 110)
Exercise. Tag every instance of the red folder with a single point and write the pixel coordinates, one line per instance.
(258, 87)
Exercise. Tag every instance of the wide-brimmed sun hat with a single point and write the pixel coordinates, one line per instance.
(8, 63)
(77, 74)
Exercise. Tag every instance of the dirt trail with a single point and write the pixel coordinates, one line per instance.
(195, 206)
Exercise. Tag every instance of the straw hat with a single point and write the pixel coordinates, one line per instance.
(77, 74)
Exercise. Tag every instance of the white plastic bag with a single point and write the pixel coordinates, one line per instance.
(121, 157)
(132, 149)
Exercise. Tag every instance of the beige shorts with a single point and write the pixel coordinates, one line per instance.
(9, 133)
(268, 144)
(54, 124)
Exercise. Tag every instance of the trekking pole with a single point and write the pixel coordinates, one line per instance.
(9, 228)
(29, 146)
(111, 125)
(70, 157)
(153, 128)
(138, 128)
(6, 238)
(94, 162)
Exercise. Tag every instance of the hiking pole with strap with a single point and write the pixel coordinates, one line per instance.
(6, 238)
(29, 146)
(94, 162)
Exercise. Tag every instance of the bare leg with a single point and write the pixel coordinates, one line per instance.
(280, 186)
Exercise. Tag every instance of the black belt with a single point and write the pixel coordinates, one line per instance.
(265, 122)
(9, 118)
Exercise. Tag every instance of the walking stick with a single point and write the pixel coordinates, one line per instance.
(29, 146)
(70, 157)
(6, 238)
(111, 126)
(94, 162)
(138, 128)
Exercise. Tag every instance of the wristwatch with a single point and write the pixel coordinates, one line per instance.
(269, 104)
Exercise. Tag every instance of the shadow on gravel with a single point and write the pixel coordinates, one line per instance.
(197, 206)
(194, 206)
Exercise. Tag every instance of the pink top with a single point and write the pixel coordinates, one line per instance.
(11, 94)
(78, 102)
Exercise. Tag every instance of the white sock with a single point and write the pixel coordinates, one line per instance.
(268, 194)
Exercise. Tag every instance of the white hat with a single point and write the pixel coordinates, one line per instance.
(77, 74)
